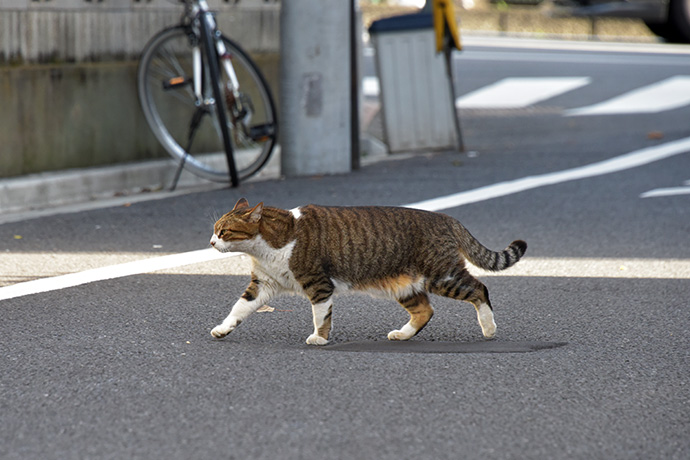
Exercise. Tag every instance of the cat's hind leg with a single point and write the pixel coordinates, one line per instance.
(319, 289)
(257, 294)
(420, 310)
(463, 286)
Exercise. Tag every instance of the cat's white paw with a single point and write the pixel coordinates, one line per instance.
(398, 335)
(489, 330)
(404, 333)
(486, 320)
(316, 340)
(221, 331)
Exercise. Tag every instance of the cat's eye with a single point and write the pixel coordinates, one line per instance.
(225, 233)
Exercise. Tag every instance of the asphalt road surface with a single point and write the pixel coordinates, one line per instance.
(591, 354)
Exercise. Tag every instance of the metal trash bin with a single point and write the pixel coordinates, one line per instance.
(414, 87)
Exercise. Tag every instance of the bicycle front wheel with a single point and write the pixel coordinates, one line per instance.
(189, 129)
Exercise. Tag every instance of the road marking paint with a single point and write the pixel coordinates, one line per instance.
(616, 164)
(110, 272)
(620, 163)
(668, 94)
(370, 86)
(670, 191)
(519, 92)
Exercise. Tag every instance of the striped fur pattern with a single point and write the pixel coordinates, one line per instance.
(317, 252)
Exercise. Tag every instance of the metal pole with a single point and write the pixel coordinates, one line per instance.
(355, 79)
(448, 52)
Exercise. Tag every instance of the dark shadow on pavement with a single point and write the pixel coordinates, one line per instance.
(443, 347)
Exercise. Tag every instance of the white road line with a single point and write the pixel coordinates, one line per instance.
(670, 191)
(111, 271)
(519, 92)
(370, 86)
(668, 94)
(620, 163)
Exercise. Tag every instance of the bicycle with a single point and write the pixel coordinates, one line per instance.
(205, 100)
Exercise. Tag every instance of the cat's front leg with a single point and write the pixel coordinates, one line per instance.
(240, 311)
(256, 295)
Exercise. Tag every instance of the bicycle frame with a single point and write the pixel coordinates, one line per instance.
(198, 10)
(191, 80)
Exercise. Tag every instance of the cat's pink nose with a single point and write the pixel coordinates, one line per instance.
(213, 243)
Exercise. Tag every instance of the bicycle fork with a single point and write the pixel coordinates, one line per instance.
(207, 30)
(215, 52)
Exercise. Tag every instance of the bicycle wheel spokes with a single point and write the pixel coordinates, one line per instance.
(251, 114)
(166, 91)
(171, 107)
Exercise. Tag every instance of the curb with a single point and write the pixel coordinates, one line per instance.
(47, 190)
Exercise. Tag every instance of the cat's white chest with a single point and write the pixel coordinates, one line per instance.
(274, 263)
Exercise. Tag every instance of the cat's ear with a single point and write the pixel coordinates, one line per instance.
(241, 203)
(256, 212)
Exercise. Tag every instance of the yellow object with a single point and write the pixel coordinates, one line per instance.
(444, 20)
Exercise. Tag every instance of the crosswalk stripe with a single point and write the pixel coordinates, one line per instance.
(370, 86)
(668, 94)
(519, 92)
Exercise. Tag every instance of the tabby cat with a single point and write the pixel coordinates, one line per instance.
(321, 251)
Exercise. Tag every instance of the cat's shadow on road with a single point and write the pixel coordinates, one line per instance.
(486, 346)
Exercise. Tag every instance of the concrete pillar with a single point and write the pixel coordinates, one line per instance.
(315, 109)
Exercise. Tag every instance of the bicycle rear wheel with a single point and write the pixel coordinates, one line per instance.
(190, 131)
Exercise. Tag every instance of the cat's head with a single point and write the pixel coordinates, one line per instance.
(238, 226)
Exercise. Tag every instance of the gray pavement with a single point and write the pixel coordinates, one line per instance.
(126, 367)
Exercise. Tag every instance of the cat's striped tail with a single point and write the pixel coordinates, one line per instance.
(487, 259)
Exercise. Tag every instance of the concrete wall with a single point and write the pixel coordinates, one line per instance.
(68, 76)
(68, 116)
(79, 30)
